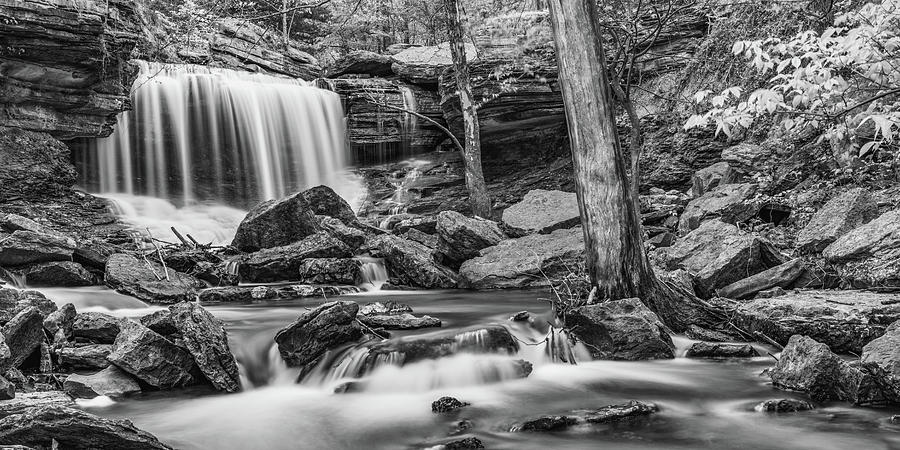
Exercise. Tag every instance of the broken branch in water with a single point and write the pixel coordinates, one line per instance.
(180, 237)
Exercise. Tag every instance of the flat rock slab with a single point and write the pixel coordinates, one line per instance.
(400, 321)
(149, 281)
(27, 400)
(543, 211)
(843, 320)
(606, 414)
(246, 294)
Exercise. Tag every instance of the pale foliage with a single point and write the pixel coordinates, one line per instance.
(843, 82)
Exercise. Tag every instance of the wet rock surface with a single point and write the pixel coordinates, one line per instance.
(783, 405)
(316, 331)
(205, 338)
(330, 271)
(447, 404)
(151, 358)
(276, 223)
(58, 273)
(462, 238)
(607, 414)
(149, 281)
(411, 263)
(111, 382)
(26, 247)
(284, 263)
(621, 329)
(720, 350)
(400, 321)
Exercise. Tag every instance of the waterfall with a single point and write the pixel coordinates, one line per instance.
(373, 274)
(199, 135)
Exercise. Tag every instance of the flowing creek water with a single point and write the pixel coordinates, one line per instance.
(704, 403)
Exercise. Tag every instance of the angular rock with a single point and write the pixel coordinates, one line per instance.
(844, 320)
(885, 350)
(720, 350)
(160, 322)
(330, 271)
(621, 329)
(462, 238)
(530, 261)
(782, 276)
(276, 223)
(73, 428)
(708, 178)
(424, 65)
(469, 443)
(283, 263)
(412, 263)
(783, 405)
(809, 366)
(447, 404)
(111, 382)
(869, 255)
(150, 357)
(15, 222)
(96, 327)
(843, 213)
(57, 273)
(543, 211)
(85, 357)
(606, 414)
(249, 47)
(386, 308)
(323, 201)
(7, 389)
(488, 339)
(256, 293)
(5, 354)
(26, 247)
(205, 338)
(729, 203)
(60, 323)
(717, 254)
(353, 237)
(399, 321)
(360, 62)
(747, 158)
(26, 401)
(150, 282)
(314, 332)
(24, 334)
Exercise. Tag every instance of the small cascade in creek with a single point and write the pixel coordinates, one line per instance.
(201, 137)
(14, 279)
(410, 121)
(373, 273)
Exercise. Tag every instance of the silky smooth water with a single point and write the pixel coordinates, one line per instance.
(704, 403)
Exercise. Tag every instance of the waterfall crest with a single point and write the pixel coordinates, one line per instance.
(199, 135)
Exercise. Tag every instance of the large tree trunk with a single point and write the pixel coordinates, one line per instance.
(478, 197)
(616, 261)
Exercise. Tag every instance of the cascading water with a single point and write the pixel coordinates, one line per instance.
(201, 136)
(373, 273)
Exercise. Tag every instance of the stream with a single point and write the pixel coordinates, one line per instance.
(703, 403)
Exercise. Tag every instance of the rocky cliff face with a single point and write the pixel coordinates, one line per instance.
(64, 64)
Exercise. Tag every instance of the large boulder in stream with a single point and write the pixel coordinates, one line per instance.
(844, 320)
(284, 263)
(275, 223)
(530, 261)
(70, 428)
(462, 238)
(717, 254)
(869, 255)
(487, 339)
(26, 247)
(323, 201)
(330, 271)
(411, 263)
(543, 211)
(317, 331)
(205, 338)
(621, 329)
(24, 334)
(838, 216)
(149, 280)
(151, 358)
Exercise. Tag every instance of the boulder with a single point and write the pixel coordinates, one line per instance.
(276, 223)
(447, 404)
(462, 238)
(317, 331)
(160, 322)
(869, 255)
(709, 178)
(783, 405)
(111, 382)
(782, 276)
(843, 320)
(424, 65)
(353, 237)
(843, 213)
(205, 338)
(7, 389)
(52, 426)
(407, 222)
(330, 271)
(360, 62)
(399, 321)
(543, 211)
(412, 263)
(149, 281)
(15, 222)
(530, 261)
(26, 401)
(60, 323)
(5, 354)
(469, 443)
(885, 350)
(96, 327)
(621, 329)
(386, 308)
(731, 203)
(717, 254)
(57, 273)
(26, 247)
(323, 201)
(24, 334)
(283, 263)
(606, 414)
(150, 357)
(720, 350)
(85, 357)
(13, 301)
(256, 293)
